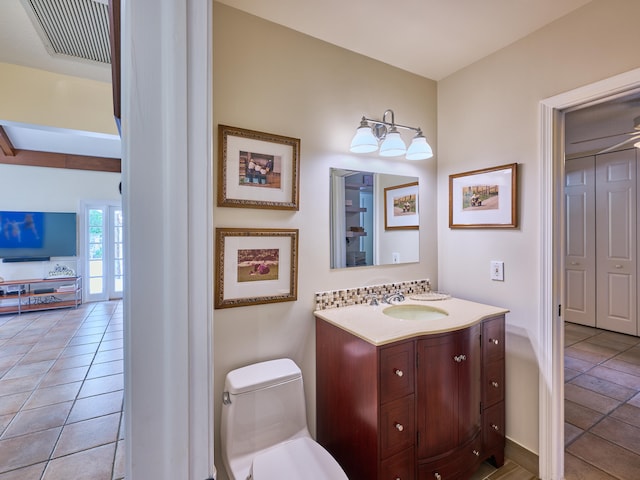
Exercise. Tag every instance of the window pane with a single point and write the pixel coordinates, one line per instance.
(95, 217)
(95, 268)
(95, 285)
(95, 235)
(95, 251)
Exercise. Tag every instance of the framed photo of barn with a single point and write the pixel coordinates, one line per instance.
(401, 207)
(484, 198)
(257, 170)
(255, 266)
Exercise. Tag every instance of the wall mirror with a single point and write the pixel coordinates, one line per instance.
(361, 235)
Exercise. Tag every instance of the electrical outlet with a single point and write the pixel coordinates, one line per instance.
(395, 257)
(497, 271)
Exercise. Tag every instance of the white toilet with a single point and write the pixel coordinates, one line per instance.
(264, 426)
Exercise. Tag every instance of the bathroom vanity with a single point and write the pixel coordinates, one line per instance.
(411, 399)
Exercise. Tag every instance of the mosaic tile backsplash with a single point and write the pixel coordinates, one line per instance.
(356, 296)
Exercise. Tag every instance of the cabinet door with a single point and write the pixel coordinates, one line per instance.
(437, 380)
(449, 391)
(469, 384)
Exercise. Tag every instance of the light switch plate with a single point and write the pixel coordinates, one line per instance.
(497, 270)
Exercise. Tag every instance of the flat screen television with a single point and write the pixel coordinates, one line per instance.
(36, 236)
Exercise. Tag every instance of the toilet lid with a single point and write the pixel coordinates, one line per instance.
(298, 459)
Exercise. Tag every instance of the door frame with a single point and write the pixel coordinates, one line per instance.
(552, 229)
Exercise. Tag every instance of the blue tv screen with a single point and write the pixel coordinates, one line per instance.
(37, 234)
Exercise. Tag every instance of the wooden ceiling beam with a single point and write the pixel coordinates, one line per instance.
(61, 160)
(5, 143)
(114, 40)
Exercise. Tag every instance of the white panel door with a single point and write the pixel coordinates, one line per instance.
(580, 263)
(616, 241)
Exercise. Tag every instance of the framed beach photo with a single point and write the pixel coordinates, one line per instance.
(401, 207)
(257, 170)
(255, 266)
(484, 198)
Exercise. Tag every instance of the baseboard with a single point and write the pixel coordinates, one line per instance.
(523, 457)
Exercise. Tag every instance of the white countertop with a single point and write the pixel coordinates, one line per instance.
(369, 323)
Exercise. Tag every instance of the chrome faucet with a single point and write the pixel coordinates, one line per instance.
(390, 297)
(374, 299)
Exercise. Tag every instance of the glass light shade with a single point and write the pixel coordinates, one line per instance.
(637, 144)
(393, 146)
(419, 149)
(364, 141)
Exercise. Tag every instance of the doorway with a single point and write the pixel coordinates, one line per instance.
(102, 241)
(551, 334)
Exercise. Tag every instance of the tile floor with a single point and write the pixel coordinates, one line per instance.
(61, 399)
(602, 404)
(61, 394)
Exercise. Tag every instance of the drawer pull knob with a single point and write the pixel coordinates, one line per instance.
(437, 476)
(495, 384)
(398, 372)
(399, 427)
(476, 453)
(460, 358)
(495, 341)
(495, 427)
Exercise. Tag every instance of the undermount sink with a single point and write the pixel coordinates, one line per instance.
(414, 312)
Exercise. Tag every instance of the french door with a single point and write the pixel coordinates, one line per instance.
(103, 248)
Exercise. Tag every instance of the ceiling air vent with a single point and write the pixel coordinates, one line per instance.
(73, 28)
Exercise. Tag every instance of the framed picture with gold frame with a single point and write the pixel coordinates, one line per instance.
(257, 170)
(484, 198)
(255, 266)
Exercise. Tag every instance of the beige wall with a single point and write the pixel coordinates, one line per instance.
(275, 80)
(488, 115)
(38, 97)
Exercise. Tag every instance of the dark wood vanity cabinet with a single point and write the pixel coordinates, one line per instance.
(422, 408)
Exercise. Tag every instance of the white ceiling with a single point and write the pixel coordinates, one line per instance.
(431, 38)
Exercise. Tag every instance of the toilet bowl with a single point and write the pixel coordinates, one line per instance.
(264, 426)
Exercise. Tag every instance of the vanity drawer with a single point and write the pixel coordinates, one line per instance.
(401, 466)
(397, 426)
(493, 383)
(493, 339)
(440, 470)
(493, 427)
(397, 370)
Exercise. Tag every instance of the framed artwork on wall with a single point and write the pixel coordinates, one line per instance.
(255, 266)
(484, 198)
(401, 207)
(257, 170)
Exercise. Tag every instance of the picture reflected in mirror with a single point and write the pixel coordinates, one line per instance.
(360, 230)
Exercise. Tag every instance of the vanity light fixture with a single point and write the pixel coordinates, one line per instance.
(372, 134)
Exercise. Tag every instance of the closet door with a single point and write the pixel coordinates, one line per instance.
(616, 241)
(580, 263)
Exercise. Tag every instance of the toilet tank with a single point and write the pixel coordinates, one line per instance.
(263, 406)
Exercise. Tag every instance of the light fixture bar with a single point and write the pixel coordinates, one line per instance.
(372, 131)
